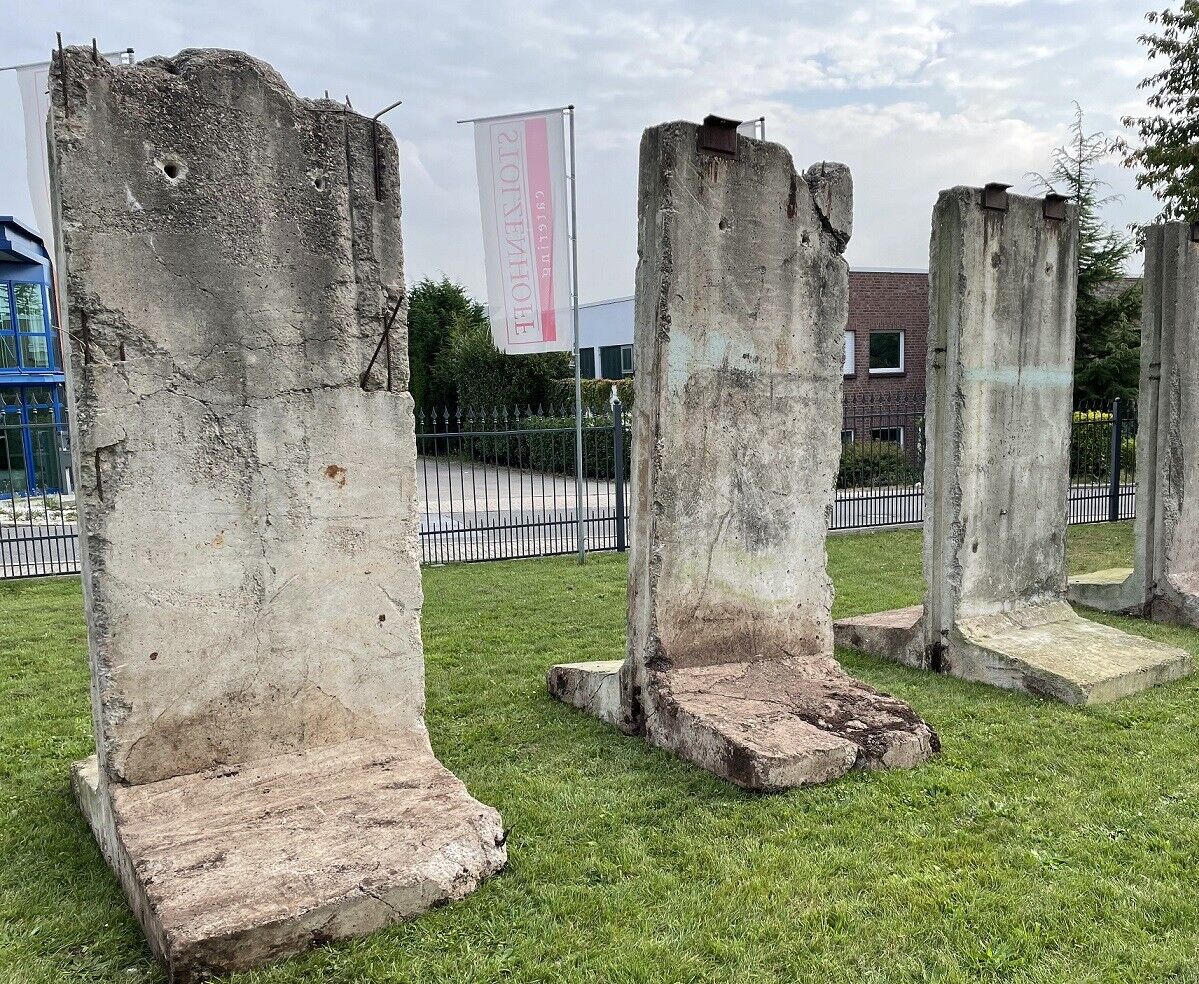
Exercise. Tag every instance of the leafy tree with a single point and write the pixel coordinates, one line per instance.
(434, 308)
(1107, 352)
(484, 378)
(453, 362)
(1167, 160)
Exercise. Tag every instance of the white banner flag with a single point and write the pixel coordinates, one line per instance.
(33, 81)
(521, 163)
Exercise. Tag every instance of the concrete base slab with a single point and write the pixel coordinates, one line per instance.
(897, 634)
(1113, 590)
(591, 687)
(1178, 603)
(240, 866)
(1047, 650)
(1051, 651)
(769, 725)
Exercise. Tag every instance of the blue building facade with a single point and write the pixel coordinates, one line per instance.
(32, 392)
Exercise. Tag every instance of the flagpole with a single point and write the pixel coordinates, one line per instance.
(574, 266)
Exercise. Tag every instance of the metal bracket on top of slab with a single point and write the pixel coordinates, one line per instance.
(718, 136)
(1053, 207)
(994, 197)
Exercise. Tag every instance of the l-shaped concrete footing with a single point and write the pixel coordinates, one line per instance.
(1044, 650)
(1122, 590)
(235, 867)
(766, 726)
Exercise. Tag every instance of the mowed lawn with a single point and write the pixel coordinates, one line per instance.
(1045, 844)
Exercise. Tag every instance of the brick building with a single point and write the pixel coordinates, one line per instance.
(885, 343)
(885, 347)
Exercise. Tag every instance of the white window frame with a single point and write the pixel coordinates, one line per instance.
(626, 365)
(902, 345)
(847, 436)
(849, 359)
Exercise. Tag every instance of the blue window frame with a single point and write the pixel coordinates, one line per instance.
(33, 439)
(26, 335)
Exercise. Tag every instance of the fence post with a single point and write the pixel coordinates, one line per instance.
(1113, 493)
(618, 471)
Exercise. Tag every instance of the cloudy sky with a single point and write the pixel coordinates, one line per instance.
(915, 95)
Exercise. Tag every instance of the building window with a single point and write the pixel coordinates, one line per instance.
(25, 340)
(886, 353)
(847, 365)
(587, 362)
(33, 442)
(887, 435)
(611, 362)
(846, 435)
(626, 360)
(8, 337)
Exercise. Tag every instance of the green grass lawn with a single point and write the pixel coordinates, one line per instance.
(1046, 843)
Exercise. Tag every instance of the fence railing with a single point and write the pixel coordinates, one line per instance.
(38, 523)
(501, 484)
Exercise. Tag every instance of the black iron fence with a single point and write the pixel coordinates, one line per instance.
(501, 483)
(1103, 462)
(38, 529)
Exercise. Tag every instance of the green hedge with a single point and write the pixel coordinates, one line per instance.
(874, 464)
(597, 394)
(555, 452)
(1091, 445)
(1128, 458)
(538, 443)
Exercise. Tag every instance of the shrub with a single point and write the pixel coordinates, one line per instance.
(874, 464)
(1091, 445)
(539, 443)
(1128, 458)
(597, 394)
(554, 450)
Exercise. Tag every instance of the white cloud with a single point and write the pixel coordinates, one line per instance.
(915, 95)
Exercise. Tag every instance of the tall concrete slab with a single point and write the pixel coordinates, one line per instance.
(740, 317)
(1003, 282)
(1164, 580)
(246, 473)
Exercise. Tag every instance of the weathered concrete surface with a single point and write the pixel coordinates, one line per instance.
(1001, 379)
(1117, 589)
(238, 866)
(250, 561)
(772, 724)
(741, 310)
(1164, 581)
(1050, 651)
(591, 687)
(1000, 387)
(899, 633)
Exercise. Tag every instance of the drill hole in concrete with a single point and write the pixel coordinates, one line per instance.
(174, 169)
(318, 183)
